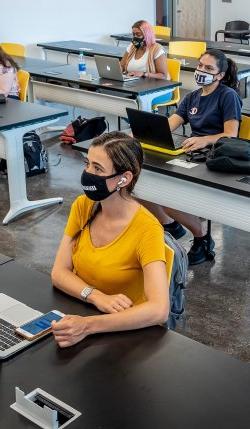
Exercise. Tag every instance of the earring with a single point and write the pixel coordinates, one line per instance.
(118, 188)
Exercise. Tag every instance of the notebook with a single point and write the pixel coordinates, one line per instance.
(13, 314)
(110, 68)
(153, 131)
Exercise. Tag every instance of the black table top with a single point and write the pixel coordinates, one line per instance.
(88, 48)
(148, 378)
(33, 64)
(15, 114)
(91, 49)
(69, 74)
(227, 47)
(157, 162)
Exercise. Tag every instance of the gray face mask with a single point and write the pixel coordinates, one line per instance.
(204, 78)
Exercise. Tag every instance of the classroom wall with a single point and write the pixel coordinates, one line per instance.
(30, 21)
(222, 12)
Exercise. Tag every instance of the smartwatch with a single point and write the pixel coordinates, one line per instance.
(86, 292)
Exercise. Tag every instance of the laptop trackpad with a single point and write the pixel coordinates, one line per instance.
(19, 314)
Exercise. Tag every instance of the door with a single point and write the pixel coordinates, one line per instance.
(190, 18)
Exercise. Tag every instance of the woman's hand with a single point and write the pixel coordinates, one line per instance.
(70, 330)
(194, 143)
(135, 73)
(109, 303)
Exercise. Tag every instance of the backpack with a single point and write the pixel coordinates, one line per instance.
(35, 154)
(84, 129)
(178, 282)
(230, 155)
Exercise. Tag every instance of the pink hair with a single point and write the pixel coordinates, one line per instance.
(147, 31)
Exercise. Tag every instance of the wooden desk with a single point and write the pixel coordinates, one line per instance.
(148, 378)
(17, 118)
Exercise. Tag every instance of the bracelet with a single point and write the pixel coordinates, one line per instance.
(144, 75)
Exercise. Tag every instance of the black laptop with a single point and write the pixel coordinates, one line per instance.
(153, 132)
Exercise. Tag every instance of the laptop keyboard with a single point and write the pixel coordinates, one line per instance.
(8, 337)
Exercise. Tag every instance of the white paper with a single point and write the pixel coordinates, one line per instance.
(182, 163)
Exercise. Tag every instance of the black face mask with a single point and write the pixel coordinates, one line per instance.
(95, 187)
(138, 42)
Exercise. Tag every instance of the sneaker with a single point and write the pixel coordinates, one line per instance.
(175, 229)
(199, 251)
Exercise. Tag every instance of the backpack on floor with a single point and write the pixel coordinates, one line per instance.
(178, 282)
(35, 154)
(84, 129)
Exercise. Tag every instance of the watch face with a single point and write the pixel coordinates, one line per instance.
(85, 292)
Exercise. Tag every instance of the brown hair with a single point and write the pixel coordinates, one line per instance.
(125, 153)
(7, 61)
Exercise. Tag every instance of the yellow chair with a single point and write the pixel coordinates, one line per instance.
(15, 49)
(174, 68)
(187, 49)
(169, 253)
(244, 132)
(161, 31)
(23, 79)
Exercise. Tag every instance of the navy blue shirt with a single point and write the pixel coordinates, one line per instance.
(207, 114)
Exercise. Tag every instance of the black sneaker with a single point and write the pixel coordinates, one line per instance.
(175, 229)
(199, 251)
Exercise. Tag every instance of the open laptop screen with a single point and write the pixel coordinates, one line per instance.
(150, 128)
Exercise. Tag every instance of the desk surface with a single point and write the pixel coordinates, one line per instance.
(157, 162)
(88, 48)
(227, 47)
(33, 64)
(149, 378)
(91, 49)
(15, 114)
(69, 74)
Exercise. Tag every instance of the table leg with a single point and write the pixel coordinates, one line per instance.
(19, 202)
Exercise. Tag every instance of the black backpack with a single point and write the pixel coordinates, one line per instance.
(84, 129)
(230, 155)
(35, 154)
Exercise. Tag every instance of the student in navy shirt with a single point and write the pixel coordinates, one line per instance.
(213, 111)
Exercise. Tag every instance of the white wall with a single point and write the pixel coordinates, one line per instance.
(223, 12)
(30, 21)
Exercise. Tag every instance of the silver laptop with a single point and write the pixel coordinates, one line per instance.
(13, 314)
(110, 68)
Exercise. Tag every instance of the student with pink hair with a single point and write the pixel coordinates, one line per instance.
(146, 59)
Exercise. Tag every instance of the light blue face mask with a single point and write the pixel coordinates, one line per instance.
(204, 78)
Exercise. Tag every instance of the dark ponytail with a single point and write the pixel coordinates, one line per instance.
(231, 76)
(227, 66)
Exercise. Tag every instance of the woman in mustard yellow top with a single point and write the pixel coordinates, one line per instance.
(112, 254)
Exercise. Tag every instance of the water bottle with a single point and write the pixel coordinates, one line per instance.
(81, 65)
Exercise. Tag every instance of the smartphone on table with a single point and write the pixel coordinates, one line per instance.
(40, 326)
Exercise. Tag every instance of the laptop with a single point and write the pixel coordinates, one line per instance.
(153, 131)
(13, 314)
(110, 68)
